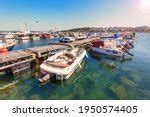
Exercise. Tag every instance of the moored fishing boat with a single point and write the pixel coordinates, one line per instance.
(45, 36)
(109, 47)
(80, 36)
(23, 37)
(35, 37)
(110, 36)
(64, 63)
(9, 45)
(67, 39)
(10, 36)
(128, 36)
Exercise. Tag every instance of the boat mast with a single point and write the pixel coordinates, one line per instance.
(37, 25)
(26, 28)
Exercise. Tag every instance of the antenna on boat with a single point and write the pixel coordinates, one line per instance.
(18, 27)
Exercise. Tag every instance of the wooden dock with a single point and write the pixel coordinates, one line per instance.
(16, 60)
(21, 59)
(82, 42)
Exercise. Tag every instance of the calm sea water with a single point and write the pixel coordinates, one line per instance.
(128, 79)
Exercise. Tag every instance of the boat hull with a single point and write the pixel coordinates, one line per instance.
(10, 47)
(108, 51)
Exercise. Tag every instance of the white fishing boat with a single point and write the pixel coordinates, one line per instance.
(64, 63)
(111, 35)
(126, 37)
(9, 36)
(67, 39)
(23, 37)
(7, 44)
(80, 36)
(109, 47)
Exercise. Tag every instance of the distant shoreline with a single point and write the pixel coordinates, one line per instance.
(141, 29)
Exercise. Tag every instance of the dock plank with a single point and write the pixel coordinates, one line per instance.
(13, 55)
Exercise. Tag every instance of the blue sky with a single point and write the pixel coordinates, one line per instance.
(66, 14)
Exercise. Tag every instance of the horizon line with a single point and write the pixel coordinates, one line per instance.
(83, 27)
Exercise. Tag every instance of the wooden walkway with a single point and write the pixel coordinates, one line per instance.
(82, 42)
(13, 59)
(20, 59)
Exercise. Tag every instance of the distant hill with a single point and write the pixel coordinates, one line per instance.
(84, 29)
(110, 29)
(142, 29)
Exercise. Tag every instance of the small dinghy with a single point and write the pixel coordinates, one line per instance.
(64, 63)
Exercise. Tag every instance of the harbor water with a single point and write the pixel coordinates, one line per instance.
(101, 77)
